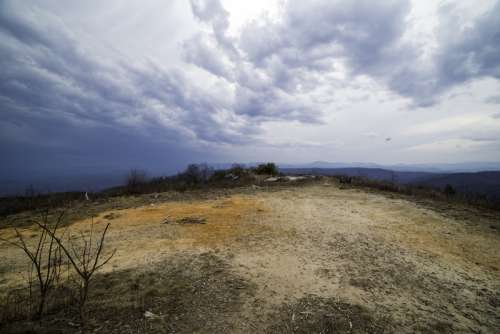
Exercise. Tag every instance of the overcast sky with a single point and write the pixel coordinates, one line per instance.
(156, 84)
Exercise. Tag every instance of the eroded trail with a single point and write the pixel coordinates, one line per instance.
(429, 272)
(305, 259)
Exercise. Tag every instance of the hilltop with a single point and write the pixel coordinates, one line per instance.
(485, 183)
(309, 256)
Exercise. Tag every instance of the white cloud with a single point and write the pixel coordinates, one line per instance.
(451, 146)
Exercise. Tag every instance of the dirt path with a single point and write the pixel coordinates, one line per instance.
(307, 258)
(428, 272)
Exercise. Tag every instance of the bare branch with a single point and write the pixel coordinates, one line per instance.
(85, 260)
(51, 257)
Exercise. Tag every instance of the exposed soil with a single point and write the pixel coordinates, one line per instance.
(310, 259)
(312, 314)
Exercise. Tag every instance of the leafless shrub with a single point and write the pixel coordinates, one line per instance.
(197, 174)
(449, 191)
(269, 168)
(135, 180)
(30, 194)
(45, 260)
(85, 258)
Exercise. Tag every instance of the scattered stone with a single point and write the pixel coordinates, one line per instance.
(272, 179)
(295, 178)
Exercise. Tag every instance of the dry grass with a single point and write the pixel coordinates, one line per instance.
(312, 314)
(141, 237)
(261, 255)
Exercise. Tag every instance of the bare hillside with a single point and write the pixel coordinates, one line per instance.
(309, 259)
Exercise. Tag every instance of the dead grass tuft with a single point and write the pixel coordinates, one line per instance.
(189, 293)
(313, 314)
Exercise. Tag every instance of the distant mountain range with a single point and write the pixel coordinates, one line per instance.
(463, 167)
(485, 183)
(457, 174)
(468, 177)
(432, 168)
(61, 183)
(370, 173)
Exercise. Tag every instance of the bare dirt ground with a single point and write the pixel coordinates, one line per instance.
(309, 259)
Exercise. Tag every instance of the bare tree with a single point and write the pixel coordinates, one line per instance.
(135, 179)
(192, 174)
(46, 262)
(85, 259)
(29, 195)
(197, 173)
(269, 168)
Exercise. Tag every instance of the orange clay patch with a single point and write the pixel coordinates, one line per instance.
(140, 234)
(144, 227)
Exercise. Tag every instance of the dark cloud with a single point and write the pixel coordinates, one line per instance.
(201, 53)
(276, 62)
(463, 54)
(369, 39)
(314, 34)
(65, 102)
(275, 104)
(57, 155)
(63, 107)
(57, 77)
(213, 13)
(468, 53)
(53, 90)
(358, 30)
(260, 93)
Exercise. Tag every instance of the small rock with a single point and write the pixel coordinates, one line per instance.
(296, 178)
(272, 179)
(150, 315)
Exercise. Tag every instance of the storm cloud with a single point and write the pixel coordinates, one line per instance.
(116, 84)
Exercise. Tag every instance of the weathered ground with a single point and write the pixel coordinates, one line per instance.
(310, 259)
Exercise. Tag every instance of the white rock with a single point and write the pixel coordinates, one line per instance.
(272, 179)
(150, 315)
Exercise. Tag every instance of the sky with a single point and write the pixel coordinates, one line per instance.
(101, 85)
